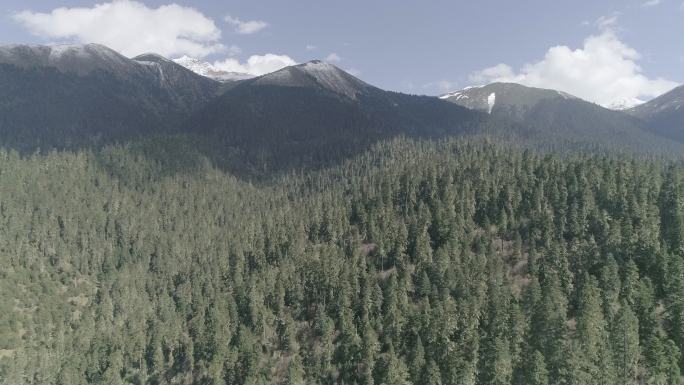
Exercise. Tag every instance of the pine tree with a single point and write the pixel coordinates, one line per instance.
(626, 350)
(591, 360)
(536, 373)
(433, 376)
(671, 210)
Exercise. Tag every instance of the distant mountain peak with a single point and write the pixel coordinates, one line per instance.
(316, 74)
(513, 97)
(151, 57)
(209, 70)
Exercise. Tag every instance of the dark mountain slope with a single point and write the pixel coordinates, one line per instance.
(664, 114)
(66, 96)
(185, 89)
(315, 112)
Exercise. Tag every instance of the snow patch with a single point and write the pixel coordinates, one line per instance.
(624, 103)
(491, 100)
(67, 49)
(457, 95)
(208, 70)
(460, 95)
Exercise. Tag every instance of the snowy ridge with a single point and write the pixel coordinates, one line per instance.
(316, 74)
(332, 78)
(81, 59)
(459, 95)
(624, 104)
(210, 71)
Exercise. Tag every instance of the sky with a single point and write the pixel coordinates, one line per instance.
(607, 51)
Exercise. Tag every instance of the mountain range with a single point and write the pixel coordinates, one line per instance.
(83, 95)
(551, 116)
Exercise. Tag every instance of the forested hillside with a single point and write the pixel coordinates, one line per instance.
(415, 262)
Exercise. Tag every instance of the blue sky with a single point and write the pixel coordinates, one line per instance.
(424, 47)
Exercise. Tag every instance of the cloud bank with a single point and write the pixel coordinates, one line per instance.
(256, 64)
(604, 71)
(129, 27)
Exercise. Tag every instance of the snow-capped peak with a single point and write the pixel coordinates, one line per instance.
(332, 78)
(316, 74)
(208, 70)
(624, 103)
(195, 65)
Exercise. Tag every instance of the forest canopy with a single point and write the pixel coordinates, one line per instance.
(416, 262)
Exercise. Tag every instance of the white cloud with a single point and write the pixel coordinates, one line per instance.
(256, 64)
(333, 58)
(245, 27)
(129, 27)
(310, 47)
(650, 3)
(603, 71)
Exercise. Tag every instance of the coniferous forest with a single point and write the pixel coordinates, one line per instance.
(416, 262)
